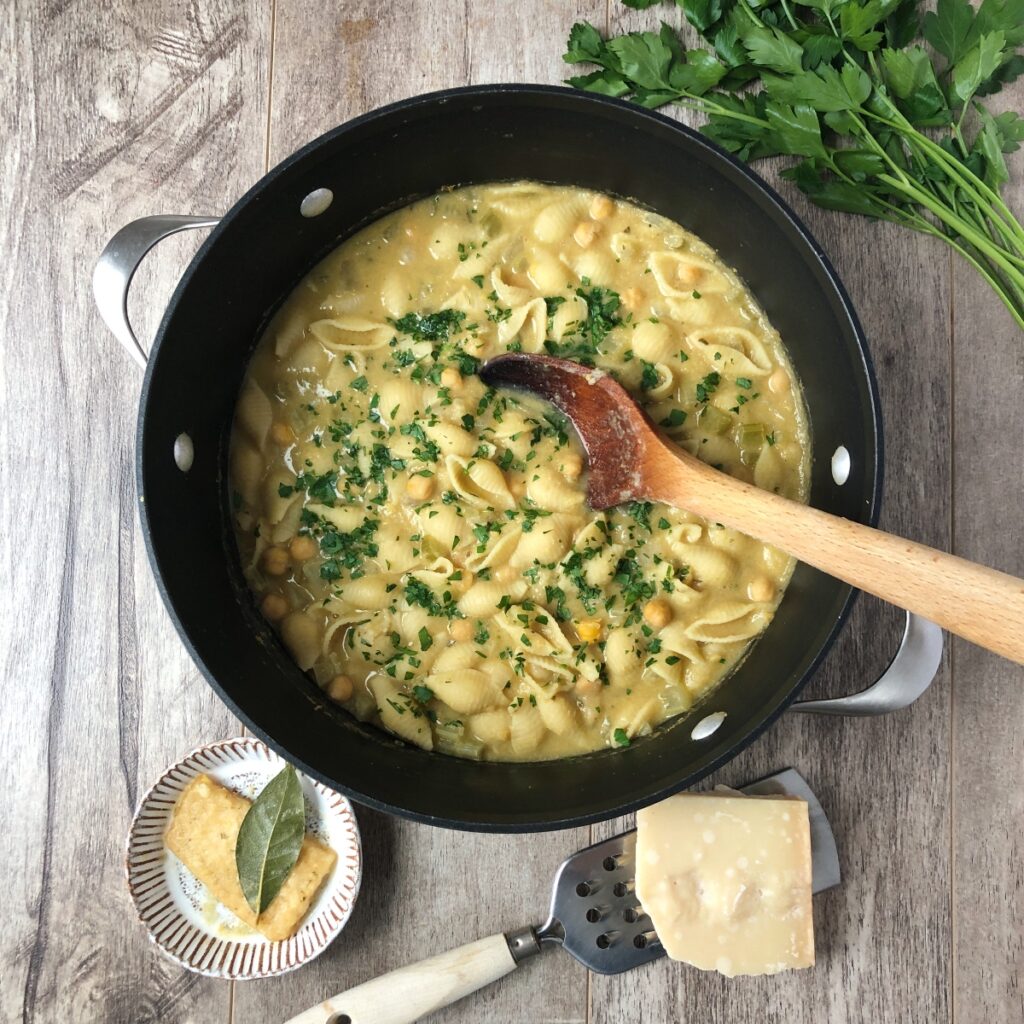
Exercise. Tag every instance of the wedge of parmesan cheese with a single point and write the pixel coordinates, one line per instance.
(202, 833)
(726, 881)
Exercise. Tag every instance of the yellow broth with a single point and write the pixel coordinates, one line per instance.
(423, 544)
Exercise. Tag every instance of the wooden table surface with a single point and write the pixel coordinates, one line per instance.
(113, 111)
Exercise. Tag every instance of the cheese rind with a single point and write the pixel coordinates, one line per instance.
(202, 834)
(726, 881)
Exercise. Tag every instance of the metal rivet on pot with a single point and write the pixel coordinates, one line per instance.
(707, 725)
(316, 202)
(184, 453)
(841, 465)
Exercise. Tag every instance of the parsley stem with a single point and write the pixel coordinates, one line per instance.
(1016, 310)
(789, 16)
(958, 224)
(956, 170)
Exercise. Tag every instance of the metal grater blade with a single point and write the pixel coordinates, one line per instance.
(594, 910)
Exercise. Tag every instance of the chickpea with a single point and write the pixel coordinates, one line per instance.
(601, 207)
(589, 630)
(760, 588)
(282, 434)
(585, 233)
(572, 465)
(303, 548)
(419, 488)
(689, 275)
(274, 607)
(460, 630)
(633, 298)
(657, 613)
(275, 561)
(340, 688)
(778, 382)
(451, 379)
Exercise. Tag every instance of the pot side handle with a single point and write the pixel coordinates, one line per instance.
(909, 674)
(117, 265)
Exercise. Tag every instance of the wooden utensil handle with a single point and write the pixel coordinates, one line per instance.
(411, 992)
(980, 604)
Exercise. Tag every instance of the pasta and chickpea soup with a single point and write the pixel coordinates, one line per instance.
(423, 544)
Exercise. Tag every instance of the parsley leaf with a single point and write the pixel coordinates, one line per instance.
(882, 125)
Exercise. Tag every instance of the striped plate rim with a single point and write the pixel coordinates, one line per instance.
(149, 872)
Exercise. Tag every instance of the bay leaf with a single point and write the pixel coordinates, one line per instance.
(270, 839)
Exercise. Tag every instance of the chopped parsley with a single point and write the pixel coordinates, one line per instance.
(437, 326)
(650, 378)
(706, 387)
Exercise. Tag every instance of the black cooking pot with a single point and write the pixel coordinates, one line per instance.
(266, 244)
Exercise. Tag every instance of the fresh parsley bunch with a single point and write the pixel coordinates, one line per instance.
(883, 125)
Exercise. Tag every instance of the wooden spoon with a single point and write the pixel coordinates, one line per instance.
(629, 461)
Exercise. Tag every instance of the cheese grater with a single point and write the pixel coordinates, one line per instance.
(595, 916)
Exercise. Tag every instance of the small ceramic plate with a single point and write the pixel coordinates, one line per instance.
(181, 916)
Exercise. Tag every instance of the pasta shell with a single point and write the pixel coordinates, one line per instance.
(490, 727)
(740, 350)
(287, 329)
(547, 542)
(654, 342)
(526, 729)
(345, 518)
(509, 294)
(351, 334)
(568, 317)
(254, 414)
(558, 714)
(548, 274)
(466, 691)
(399, 713)
(556, 222)
(709, 565)
(401, 401)
(730, 622)
(528, 324)
(497, 553)
(301, 635)
(452, 440)
(679, 274)
(481, 600)
(622, 656)
(369, 592)
(247, 470)
(442, 524)
(479, 482)
(635, 715)
(457, 657)
(549, 491)
(276, 504)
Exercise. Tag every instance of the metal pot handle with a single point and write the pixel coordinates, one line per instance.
(909, 674)
(117, 265)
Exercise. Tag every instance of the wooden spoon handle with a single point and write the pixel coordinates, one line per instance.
(980, 604)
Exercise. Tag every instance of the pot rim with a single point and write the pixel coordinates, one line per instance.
(642, 116)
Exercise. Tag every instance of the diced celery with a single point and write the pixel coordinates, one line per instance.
(713, 421)
(750, 441)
